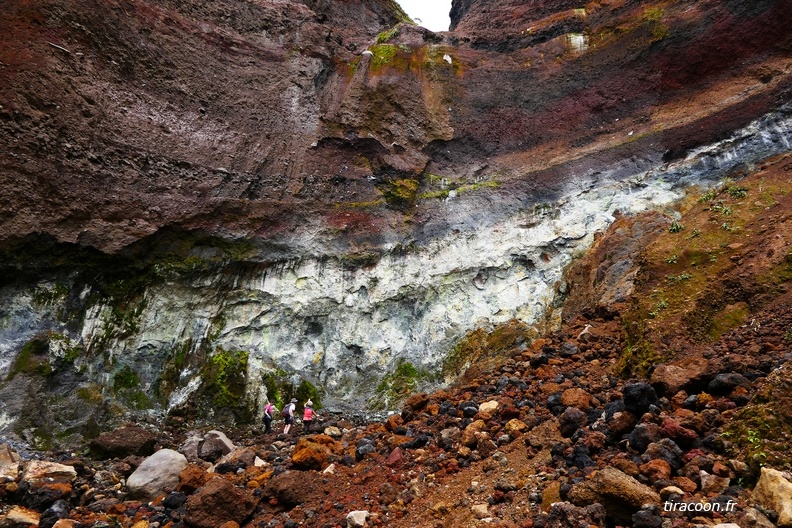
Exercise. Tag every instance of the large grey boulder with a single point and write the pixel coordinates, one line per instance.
(157, 475)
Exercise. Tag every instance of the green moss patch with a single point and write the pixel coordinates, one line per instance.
(125, 378)
(225, 376)
(397, 386)
(32, 359)
(388, 35)
(400, 192)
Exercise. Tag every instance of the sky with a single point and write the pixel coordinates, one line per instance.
(433, 14)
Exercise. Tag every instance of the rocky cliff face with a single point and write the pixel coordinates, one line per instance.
(197, 198)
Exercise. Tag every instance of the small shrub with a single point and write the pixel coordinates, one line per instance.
(722, 209)
(738, 192)
(675, 227)
(708, 196)
(694, 234)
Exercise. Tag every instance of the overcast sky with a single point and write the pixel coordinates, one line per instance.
(433, 14)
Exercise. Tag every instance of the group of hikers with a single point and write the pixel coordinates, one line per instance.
(288, 416)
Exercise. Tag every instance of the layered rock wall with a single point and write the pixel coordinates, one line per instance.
(194, 196)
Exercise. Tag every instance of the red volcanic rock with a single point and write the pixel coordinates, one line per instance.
(191, 478)
(576, 398)
(393, 421)
(395, 459)
(656, 470)
(677, 433)
(314, 452)
(218, 502)
(122, 442)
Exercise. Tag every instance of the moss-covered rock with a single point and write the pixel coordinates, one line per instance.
(400, 192)
(482, 347)
(32, 359)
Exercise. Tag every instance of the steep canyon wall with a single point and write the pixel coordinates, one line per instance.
(199, 201)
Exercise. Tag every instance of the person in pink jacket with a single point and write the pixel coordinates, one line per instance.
(308, 416)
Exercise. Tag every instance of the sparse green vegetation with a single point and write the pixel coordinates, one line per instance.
(91, 393)
(662, 305)
(708, 196)
(397, 385)
(280, 390)
(694, 234)
(442, 194)
(654, 18)
(758, 433)
(125, 378)
(675, 227)
(400, 192)
(637, 360)
(360, 260)
(388, 35)
(46, 296)
(731, 316)
(721, 208)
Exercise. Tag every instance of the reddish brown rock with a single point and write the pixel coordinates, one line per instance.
(670, 378)
(218, 502)
(416, 402)
(687, 485)
(314, 452)
(469, 435)
(576, 398)
(393, 421)
(656, 470)
(191, 478)
(122, 442)
(395, 459)
(673, 430)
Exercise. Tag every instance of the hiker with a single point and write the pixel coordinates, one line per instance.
(288, 415)
(308, 415)
(268, 414)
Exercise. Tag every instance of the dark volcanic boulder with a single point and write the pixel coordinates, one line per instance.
(638, 397)
(122, 442)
